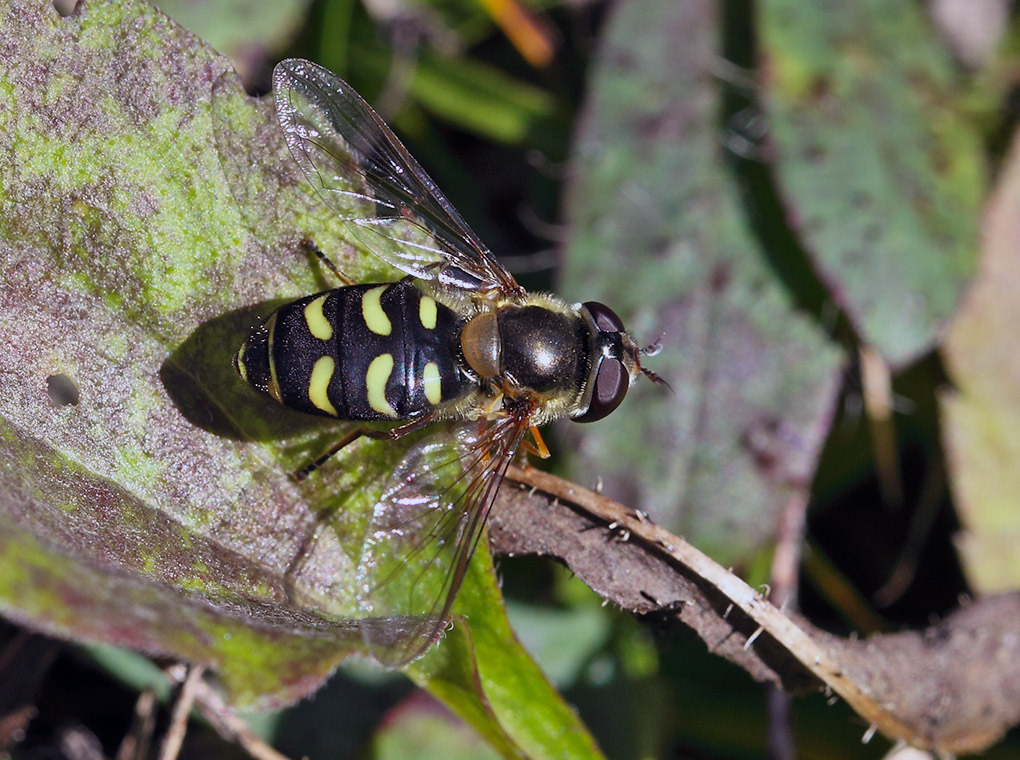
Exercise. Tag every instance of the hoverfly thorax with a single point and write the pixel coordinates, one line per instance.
(543, 349)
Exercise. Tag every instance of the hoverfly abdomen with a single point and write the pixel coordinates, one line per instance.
(364, 352)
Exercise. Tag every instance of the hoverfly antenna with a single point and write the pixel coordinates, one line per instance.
(635, 358)
(653, 349)
(656, 378)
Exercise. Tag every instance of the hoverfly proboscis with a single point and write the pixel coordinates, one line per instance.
(457, 344)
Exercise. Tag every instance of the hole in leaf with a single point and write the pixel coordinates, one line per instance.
(67, 7)
(62, 391)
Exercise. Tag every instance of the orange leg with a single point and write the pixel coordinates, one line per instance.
(538, 448)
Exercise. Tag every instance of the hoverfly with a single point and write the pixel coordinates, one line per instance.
(457, 344)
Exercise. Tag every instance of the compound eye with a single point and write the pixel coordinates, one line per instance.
(611, 383)
(605, 318)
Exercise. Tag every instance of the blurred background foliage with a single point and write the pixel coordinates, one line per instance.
(488, 95)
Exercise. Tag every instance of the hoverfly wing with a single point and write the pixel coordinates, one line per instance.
(424, 531)
(363, 173)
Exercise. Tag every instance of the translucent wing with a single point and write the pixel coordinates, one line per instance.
(363, 173)
(425, 529)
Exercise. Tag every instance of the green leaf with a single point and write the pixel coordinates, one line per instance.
(562, 640)
(122, 521)
(528, 708)
(882, 176)
(480, 98)
(239, 27)
(473, 96)
(150, 215)
(422, 732)
(982, 413)
(653, 204)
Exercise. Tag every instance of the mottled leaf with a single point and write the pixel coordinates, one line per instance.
(660, 236)
(422, 729)
(239, 28)
(881, 175)
(150, 215)
(123, 520)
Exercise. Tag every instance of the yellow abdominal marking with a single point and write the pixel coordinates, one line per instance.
(273, 387)
(378, 375)
(322, 373)
(427, 313)
(433, 383)
(318, 325)
(373, 314)
(241, 368)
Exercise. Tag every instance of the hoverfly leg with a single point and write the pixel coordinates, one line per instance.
(311, 537)
(309, 245)
(315, 464)
(389, 435)
(401, 430)
(538, 447)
